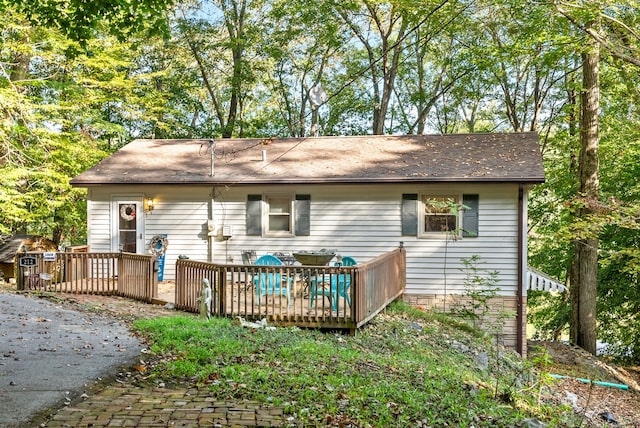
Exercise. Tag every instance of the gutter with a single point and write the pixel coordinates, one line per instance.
(252, 181)
(520, 327)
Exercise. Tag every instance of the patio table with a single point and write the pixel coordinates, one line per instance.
(312, 258)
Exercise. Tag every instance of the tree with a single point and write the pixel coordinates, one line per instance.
(57, 120)
(621, 40)
(584, 271)
(435, 64)
(591, 198)
(221, 45)
(305, 46)
(382, 29)
(81, 20)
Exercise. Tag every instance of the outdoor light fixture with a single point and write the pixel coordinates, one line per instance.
(149, 205)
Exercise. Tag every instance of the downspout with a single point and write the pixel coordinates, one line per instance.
(521, 252)
(211, 232)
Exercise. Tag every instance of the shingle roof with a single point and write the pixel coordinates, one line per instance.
(9, 245)
(495, 157)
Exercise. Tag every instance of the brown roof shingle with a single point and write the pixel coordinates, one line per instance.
(495, 157)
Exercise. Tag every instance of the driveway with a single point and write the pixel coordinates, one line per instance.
(50, 355)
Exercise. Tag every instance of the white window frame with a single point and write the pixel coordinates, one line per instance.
(457, 199)
(267, 198)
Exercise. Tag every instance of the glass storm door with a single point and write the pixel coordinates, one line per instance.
(129, 227)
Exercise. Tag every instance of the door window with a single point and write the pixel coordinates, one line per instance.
(127, 227)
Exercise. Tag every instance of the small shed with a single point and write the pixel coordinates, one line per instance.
(10, 245)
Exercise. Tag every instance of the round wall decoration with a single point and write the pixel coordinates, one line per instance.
(158, 245)
(128, 211)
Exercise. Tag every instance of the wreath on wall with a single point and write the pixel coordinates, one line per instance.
(128, 211)
(159, 245)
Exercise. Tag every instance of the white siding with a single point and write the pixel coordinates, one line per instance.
(179, 212)
(98, 222)
(364, 221)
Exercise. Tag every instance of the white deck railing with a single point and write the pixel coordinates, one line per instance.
(540, 281)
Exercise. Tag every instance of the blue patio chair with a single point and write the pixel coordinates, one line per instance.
(270, 282)
(339, 285)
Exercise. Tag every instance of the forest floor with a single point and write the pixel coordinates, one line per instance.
(594, 401)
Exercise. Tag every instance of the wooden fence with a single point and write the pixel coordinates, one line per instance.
(236, 291)
(381, 281)
(122, 274)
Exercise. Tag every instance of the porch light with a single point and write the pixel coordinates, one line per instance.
(148, 205)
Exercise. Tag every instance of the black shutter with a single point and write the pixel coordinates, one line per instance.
(470, 215)
(410, 214)
(254, 214)
(302, 211)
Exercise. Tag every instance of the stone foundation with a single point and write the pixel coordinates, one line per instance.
(502, 312)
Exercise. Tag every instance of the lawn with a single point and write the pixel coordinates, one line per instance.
(406, 368)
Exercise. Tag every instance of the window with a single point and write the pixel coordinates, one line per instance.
(284, 215)
(279, 215)
(434, 215)
(439, 214)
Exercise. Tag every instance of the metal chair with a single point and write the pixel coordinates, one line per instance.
(268, 281)
(339, 285)
(248, 257)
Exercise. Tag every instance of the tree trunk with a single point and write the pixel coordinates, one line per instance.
(235, 14)
(585, 267)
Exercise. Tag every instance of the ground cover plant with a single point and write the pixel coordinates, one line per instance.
(407, 368)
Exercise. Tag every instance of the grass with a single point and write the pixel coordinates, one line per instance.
(406, 368)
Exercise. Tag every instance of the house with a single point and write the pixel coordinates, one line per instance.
(361, 195)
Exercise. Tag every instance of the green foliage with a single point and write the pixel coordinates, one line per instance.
(619, 294)
(404, 369)
(81, 20)
(475, 305)
(552, 209)
(47, 131)
(542, 361)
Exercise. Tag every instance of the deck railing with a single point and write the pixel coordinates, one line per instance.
(381, 280)
(236, 291)
(122, 274)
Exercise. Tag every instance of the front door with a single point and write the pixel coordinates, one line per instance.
(128, 224)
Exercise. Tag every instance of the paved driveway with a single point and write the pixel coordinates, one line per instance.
(49, 355)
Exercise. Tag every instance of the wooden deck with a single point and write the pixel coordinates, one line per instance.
(121, 274)
(373, 285)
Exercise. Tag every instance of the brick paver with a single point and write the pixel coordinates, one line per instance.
(129, 406)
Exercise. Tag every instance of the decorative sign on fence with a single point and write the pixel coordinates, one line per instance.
(49, 256)
(28, 261)
(158, 246)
